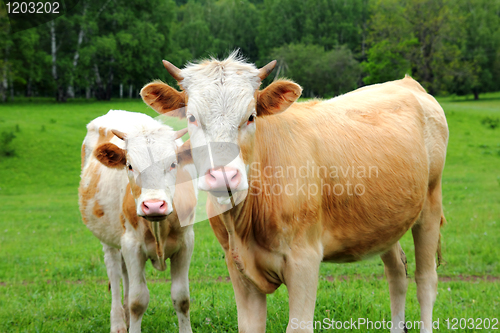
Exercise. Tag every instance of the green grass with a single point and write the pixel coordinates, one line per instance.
(52, 273)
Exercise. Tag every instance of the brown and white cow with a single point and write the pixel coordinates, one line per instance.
(337, 180)
(129, 200)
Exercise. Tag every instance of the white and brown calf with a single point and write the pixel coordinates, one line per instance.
(338, 180)
(128, 198)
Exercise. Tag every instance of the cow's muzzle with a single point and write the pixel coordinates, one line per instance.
(154, 210)
(222, 181)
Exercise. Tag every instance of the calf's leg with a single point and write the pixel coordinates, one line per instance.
(125, 293)
(138, 297)
(395, 272)
(180, 283)
(112, 259)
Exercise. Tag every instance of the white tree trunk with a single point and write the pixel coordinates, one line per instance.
(130, 88)
(97, 76)
(11, 89)
(76, 56)
(121, 90)
(71, 91)
(5, 85)
(53, 48)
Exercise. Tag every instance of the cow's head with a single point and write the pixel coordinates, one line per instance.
(223, 104)
(151, 160)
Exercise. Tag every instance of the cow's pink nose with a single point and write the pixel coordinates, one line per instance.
(154, 207)
(223, 178)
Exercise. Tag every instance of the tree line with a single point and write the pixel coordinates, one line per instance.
(111, 48)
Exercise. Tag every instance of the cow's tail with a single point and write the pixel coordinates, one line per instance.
(439, 254)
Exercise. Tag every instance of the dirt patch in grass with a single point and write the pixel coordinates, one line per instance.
(227, 279)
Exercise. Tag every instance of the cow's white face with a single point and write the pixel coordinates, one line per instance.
(221, 102)
(151, 163)
(221, 117)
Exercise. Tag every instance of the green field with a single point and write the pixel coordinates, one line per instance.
(52, 273)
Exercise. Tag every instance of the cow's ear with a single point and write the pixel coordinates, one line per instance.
(277, 97)
(184, 154)
(164, 99)
(110, 155)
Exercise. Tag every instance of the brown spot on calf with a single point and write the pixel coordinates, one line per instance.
(129, 208)
(97, 211)
(184, 306)
(88, 191)
(137, 308)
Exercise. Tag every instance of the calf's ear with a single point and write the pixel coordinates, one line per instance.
(164, 99)
(184, 154)
(110, 155)
(180, 133)
(277, 97)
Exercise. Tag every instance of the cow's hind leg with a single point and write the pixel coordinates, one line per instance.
(180, 283)
(426, 233)
(395, 272)
(113, 261)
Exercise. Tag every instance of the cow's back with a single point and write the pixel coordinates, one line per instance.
(385, 144)
(434, 124)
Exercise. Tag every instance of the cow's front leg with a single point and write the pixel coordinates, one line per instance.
(113, 261)
(250, 302)
(138, 296)
(125, 292)
(180, 282)
(301, 279)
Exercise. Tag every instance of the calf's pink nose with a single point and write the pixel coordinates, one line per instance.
(216, 178)
(154, 207)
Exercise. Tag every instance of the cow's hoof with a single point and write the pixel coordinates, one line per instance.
(122, 329)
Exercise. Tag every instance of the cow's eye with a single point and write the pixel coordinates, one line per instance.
(130, 167)
(251, 119)
(173, 165)
(192, 119)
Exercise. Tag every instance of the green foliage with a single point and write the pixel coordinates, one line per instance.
(385, 62)
(448, 46)
(320, 72)
(103, 47)
(325, 23)
(479, 45)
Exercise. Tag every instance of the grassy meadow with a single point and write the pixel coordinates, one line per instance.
(52, 273)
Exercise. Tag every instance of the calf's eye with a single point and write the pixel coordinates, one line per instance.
(130, 167)
(173, 165)
(192, 119)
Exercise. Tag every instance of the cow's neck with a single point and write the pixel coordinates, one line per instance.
(160, 232)
(249, 224)
(243, 246)
(157, 234)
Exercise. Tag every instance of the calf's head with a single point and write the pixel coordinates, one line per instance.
(151, 160)
(223, 105)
